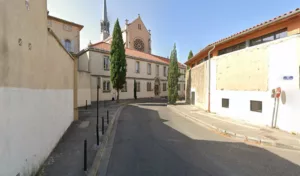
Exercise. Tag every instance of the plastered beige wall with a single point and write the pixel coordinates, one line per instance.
(84, 88)
(62, 76)
(73, 35)
(83, 62)
(35, 68)
(199, 81)
(246, 69)
(134, 33)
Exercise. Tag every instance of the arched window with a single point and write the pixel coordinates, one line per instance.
(68, 45)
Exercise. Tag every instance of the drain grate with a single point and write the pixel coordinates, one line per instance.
(271, 137)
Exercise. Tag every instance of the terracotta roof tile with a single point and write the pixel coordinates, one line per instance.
(251, 28)
(135, 53)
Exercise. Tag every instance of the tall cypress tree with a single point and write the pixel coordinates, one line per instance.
(173, 76)
(190, 56)
(118, 60)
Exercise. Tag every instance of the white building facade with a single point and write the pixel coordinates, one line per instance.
(149, 71)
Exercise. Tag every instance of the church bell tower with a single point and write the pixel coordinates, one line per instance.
(104, 23)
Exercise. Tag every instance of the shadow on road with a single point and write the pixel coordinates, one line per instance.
(152, 104)
(147, 142)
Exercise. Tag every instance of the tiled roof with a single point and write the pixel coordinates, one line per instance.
(258, 25)
(135, 53)
(246, 31)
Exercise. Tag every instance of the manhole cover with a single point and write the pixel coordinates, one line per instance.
(271, 137)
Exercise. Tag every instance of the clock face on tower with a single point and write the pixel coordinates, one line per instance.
(139, 45)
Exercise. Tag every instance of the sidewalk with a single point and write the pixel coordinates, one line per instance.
(239, 129)
(67, 157)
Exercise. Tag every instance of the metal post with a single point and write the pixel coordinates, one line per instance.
(273, 115)
(209, 77)
(97, 104)
(85, 156)
(107, 117)
(102, 125)
(97, 131)
(85, 104)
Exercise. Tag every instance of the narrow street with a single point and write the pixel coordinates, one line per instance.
(151, 140)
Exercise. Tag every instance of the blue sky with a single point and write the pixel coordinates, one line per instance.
(192, 24)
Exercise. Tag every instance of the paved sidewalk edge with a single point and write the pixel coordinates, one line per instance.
(236, 135)
(96, 163)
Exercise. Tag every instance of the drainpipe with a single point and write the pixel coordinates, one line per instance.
(209, 77)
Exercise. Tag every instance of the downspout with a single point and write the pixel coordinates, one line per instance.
(209, 77)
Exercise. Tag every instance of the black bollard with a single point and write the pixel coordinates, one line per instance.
(107, 117)
(97, 131)
(85, 104)
(102, 125)
(97, 104)
(85, 156)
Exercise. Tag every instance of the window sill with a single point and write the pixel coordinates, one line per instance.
(106, 91)
(106, 69)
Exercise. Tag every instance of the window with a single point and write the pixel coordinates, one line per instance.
(137, 67)
(67, 27)
(256, 106)
(184, 87)
(157, 70)
(164, 86)
(232, 48)
(139, 45)
(49, 23)
(68, 45)
(124, 89)
(225, 103)
(165, 71)
(148, 86)
(139, 26)
(178, 87)
(106, 63)
(106, 86)
(269, 37)
(149, 69)
(138, 86)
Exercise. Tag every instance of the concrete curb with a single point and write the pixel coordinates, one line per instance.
(96, 163)
(236, 135)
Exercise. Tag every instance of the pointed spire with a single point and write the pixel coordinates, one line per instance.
(104, 15)
(104, 23)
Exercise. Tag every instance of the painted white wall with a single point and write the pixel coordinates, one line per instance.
(284, 61)
(284, 56)
(29, 129)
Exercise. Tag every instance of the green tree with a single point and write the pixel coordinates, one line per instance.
(118, 60)
(173, 76)
(134, 89)
(190, 56)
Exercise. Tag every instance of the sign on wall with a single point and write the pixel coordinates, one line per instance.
(288, 78)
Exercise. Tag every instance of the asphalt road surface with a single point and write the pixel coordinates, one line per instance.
(151, 140)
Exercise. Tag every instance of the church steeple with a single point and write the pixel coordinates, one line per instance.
(104, 23)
